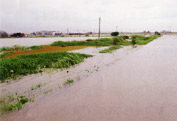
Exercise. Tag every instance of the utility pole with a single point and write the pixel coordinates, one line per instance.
(99, 28)
(116, 28)
(170, 29)
(67, 31)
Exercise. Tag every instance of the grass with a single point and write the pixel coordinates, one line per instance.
(34, 63)
(4, 54)
(11, 103)
(90, 42)
(69, 81)
(42, 49)
(38, 86)
(36, 47)
(97, 42)
(19, 48)
(141, 40)
(110, 49)
(14, 48)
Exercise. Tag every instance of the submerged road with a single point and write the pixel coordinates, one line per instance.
(140, 87)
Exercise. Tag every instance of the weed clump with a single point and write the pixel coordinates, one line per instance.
(110, 49)
(14, 48)
(11, 103)
(69, 81)
(116, 40)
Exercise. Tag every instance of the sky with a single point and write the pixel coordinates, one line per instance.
(83, 15)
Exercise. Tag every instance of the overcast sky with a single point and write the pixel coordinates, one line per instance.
(82, 15)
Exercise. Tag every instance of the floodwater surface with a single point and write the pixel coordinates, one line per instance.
(139, 87)
(37, 41)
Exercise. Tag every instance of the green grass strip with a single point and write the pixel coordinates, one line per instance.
(110, 49)
(34, 63)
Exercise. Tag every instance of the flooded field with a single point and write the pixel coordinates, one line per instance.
(37, 41)
(130, 84)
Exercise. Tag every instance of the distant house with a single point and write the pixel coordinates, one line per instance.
(45, 33)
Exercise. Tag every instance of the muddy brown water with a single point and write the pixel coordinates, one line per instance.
(140, 87)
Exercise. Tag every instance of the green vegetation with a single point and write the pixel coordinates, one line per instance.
(141, 40)
(116, 40)
(12, 103)
(36, 87)
(125, 43)
(48, 91)
(110, 49)
(13, 48)
(19, 48)
(6, 53)
(96, 42)
(89, 42)
(125, 36)
(69, 81)
(34, 63)
(35, 47)
(114, 33)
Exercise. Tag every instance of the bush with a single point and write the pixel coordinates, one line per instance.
(114, 33)
(157, 33)
(115, 40)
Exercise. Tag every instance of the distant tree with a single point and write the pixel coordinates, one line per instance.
(114, 33)
(18, 35)
(157, 33)
(3, 34)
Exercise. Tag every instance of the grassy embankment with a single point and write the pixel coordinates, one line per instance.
(114, 42)
(142, 40)
(34, 63)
